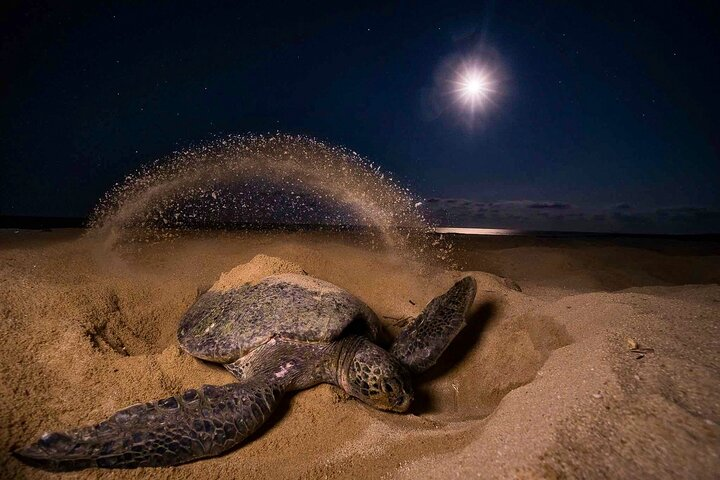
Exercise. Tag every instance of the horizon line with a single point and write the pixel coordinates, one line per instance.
(30, 222)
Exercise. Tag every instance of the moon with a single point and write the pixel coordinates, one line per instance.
(473, 86)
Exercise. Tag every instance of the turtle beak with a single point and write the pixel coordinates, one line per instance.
(399, 404)
(402, 403)
(397, 393)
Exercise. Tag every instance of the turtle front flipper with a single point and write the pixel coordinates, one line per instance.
(422, 342)
(198, 423)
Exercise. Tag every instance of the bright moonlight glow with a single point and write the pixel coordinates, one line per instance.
(473, 87)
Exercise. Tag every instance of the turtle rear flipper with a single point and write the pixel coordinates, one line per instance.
(421, 342)
(196, 424)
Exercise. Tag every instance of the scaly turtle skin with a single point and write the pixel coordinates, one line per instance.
(287, 332)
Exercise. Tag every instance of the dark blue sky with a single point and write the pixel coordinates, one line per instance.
(609, 117)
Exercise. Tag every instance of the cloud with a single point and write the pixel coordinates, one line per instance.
(550, 205)
(689, 212)
(557, 215)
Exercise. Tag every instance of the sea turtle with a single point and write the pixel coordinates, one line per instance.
(287, 332)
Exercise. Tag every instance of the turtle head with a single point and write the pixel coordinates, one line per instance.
(378, 379)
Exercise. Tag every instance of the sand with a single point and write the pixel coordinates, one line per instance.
(541, 384)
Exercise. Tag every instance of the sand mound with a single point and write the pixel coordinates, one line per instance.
(259, 267)
(536, 385)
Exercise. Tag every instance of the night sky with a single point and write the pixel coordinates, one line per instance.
(606, 117)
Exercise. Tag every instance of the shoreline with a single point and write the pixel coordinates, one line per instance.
(54, 223)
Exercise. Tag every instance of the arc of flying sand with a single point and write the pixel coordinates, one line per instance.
(327, 171)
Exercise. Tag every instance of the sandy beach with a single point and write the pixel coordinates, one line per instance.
(542, 383)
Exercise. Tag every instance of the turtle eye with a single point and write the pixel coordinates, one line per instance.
(390, 386)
